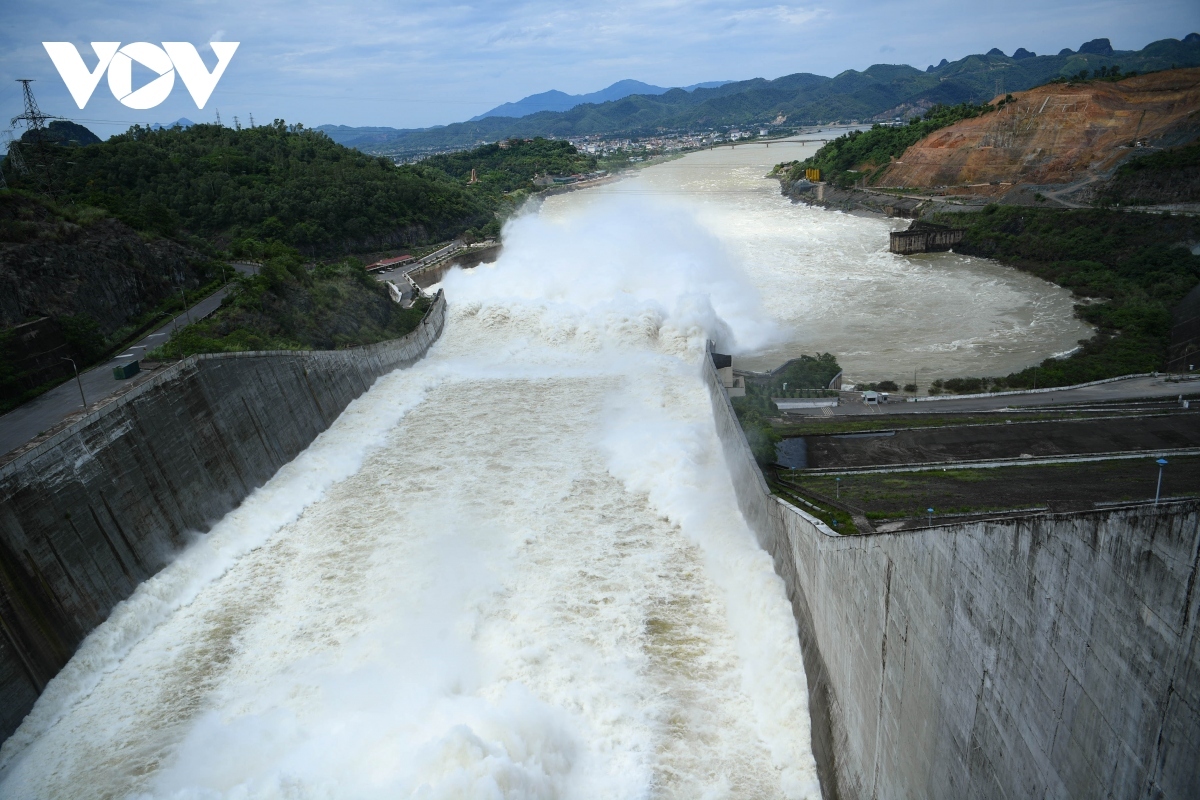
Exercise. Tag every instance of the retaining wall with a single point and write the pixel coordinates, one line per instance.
(104, 504)
(1054, 655)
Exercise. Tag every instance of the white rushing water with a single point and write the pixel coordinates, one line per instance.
(827, 278)
(515, 570)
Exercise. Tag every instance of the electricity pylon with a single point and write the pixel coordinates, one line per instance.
(35, 122)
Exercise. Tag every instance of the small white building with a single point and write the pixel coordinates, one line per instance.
(735, 385)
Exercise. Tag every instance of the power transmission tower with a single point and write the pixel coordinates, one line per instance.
(35, 122)
(251, 120)
(237, 125)
(218, 116)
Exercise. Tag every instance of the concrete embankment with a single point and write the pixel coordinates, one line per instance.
(467, 259)
(1050, 656)
(106, 503)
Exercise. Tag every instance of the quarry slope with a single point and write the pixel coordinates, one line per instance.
(1056, 134)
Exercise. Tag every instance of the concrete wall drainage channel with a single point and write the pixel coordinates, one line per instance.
(1046, 655)
(107, 502)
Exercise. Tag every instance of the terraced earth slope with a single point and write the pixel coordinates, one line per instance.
(1060, 133)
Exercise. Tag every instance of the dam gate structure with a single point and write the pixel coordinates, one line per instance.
(110, 500)
(924, 237)
(1054, 655)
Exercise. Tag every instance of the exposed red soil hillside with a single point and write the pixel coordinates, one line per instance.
(1056, 134)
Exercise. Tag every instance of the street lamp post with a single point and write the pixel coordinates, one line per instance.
(77, 380)
(1162, 462)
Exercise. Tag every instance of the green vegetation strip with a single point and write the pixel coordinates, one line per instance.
(837, 519)
(965, 491)
(826, 426)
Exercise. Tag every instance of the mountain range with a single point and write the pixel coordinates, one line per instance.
(555, 100)
(882, 91)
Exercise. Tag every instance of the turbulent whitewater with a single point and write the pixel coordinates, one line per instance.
(515, 570)
(828, 279)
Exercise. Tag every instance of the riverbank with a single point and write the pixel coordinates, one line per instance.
(1127, 272)
(827, 282)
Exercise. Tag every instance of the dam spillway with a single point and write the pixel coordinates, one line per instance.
(517, 567)
(535, 564)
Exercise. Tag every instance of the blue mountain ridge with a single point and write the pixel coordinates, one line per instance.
(182, 122)
(878, 92)
(555, 100)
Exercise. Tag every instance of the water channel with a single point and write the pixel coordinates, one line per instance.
(829, 283)
(517, 569)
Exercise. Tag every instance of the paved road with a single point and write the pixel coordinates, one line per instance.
(1131, 389)
(47, 410)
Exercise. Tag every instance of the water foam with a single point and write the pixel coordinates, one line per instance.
(829, 279)
(515, 570)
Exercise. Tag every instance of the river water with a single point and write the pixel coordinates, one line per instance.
(517, 569)
(828, 281)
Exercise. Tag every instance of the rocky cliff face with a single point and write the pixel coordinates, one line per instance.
(79, 262)
(1056, 134)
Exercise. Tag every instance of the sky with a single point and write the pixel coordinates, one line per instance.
(417, 64)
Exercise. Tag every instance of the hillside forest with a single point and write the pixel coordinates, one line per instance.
(272, 182)
(135, 224)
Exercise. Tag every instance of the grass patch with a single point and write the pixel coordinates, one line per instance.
(897, 495)
(837, 519)
(825, 426)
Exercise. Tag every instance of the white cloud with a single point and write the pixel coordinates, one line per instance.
(410, 64)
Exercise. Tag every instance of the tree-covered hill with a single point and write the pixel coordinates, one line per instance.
(513, 164)
(291, 306)
(859, 153)
(270, 182)
(801, 99)
(64, 132)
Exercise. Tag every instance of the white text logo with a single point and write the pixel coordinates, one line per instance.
(165, 61)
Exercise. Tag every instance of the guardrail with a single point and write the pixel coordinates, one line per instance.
(936, 397)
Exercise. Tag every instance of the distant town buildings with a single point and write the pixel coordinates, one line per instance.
(663, 142)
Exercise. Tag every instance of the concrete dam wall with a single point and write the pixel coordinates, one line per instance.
(106, 503)
(1050, 656)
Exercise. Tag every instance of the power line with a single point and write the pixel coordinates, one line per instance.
(35, 122)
